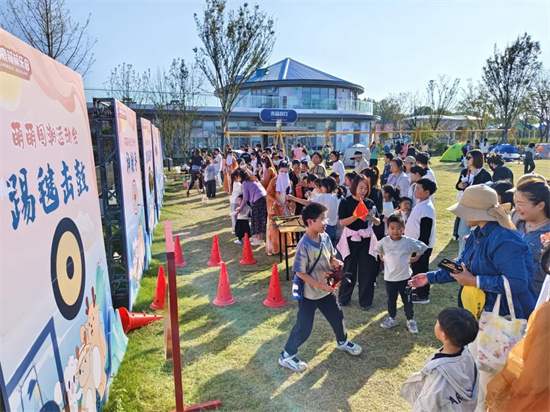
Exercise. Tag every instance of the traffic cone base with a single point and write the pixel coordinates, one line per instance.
(132, 321)
(224, 297)
(158, 303)
(215, 256)
(274, 296)
(247, 259)
(180, 262)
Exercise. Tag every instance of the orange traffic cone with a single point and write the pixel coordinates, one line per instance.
(274, 297)
(180, 262)
(132, 321)
(247, 259)
(224, 297)
(158, 303)
(215, 256)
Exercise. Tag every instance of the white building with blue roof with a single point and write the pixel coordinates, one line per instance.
(310, 96)
(315, 96)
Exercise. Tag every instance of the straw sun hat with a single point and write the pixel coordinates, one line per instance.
(480, 202)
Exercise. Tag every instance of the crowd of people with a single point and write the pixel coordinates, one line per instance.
(373, 219)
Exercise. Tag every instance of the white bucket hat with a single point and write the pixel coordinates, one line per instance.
(480, 203)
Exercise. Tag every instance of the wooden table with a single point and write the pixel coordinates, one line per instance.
(294, 226)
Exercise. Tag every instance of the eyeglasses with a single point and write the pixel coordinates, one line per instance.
(468, 157)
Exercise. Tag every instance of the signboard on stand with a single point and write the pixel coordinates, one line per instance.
(133, 211)
(60, 339)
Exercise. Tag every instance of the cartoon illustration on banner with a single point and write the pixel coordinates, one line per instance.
(61, 340)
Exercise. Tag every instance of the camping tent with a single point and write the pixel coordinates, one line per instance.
(453, 153)
(350, 152)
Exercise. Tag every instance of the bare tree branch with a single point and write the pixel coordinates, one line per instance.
(47, 26)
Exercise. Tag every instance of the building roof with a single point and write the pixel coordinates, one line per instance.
(290, 72)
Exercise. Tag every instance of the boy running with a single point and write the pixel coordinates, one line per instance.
(315, 247)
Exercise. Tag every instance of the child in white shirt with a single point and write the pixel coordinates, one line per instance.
(237, 190)
(242, 224)
(396, 251)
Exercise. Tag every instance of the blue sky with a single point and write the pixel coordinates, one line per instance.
(385, 46)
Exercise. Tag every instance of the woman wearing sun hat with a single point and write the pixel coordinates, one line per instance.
(494, 249)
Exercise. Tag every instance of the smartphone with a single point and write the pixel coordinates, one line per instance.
(450, 266)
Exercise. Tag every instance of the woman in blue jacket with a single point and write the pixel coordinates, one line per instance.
(493, 250)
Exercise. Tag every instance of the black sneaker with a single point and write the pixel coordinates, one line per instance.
(420, 299)
(342, 304)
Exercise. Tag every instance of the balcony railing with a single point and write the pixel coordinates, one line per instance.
(248, 101)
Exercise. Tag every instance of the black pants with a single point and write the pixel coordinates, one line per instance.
(422, 265)
(304, 321)
(398, 288)
(195, 176)
(361, 266)
(373, 162)
(528, 166)
(211, 188)
(241, 227)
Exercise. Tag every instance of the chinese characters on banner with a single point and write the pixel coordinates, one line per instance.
(132, 196)
(148, 176)
(56, 312)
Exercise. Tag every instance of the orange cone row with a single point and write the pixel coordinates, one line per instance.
(224, 298)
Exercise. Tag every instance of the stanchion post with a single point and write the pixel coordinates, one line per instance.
(174, 327)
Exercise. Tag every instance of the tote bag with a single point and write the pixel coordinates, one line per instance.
(497, 335)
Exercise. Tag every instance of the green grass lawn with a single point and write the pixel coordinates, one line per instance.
(231, 353)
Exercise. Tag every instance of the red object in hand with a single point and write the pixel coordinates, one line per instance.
(299, 193)
(334, 277)
(361, 211)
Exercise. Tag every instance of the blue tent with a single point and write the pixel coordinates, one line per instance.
(506, 148)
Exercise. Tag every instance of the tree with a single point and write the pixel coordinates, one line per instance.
(414, 110)
(126, 85)
(476, 102)
(390, 110)
(440, 98)
(175, 97)
(235, 46)
(541, 102)
(47, 26)
(508, 77)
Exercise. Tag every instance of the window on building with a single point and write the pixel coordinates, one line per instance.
(318, 98)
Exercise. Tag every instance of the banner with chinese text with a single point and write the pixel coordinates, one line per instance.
(159, 169)
(61, 341)
(132, 197)
(148, 177)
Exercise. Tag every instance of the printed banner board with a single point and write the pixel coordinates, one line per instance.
(159, 169)
(133, 211)
(148, 179)
(61, 342)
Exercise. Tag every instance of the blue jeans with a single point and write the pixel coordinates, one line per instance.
(331, 232)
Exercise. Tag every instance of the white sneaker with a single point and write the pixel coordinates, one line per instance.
(389, 323)
(350, 347)
(292, 363)
(411, 325)
(240, 242)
